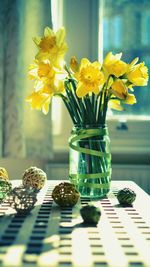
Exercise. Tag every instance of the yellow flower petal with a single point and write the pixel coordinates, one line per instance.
(95, 90)
(45, 107)
(112, 58)
(48, 32)
(115, 104)
(60, 36)
(96, 64)
(133, 62)
(84, 62)
(37, 40)
(33, 68)
(81, 90)
(59, 86)
(38, 85)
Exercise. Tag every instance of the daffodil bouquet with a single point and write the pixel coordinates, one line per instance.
(87, 90)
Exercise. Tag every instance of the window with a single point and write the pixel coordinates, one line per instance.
(129, 33)
(125, 29)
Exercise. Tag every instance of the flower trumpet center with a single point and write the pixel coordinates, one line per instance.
(45, 71)
(90, 75)
(48, 44)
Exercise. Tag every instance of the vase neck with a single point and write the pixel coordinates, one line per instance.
(91, 131)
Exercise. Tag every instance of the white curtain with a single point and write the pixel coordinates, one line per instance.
(23, 133)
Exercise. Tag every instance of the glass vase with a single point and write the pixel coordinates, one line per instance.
(90, 160)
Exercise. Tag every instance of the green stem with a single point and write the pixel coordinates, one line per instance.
(105, 107)
(65, 100)
(103, 103)
(79, 101)
(72, 87)
(74, 105)
(89, 110)
(100, 108)
(93, 99)
(67, 69)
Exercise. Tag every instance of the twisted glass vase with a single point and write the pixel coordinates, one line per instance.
(90, 160)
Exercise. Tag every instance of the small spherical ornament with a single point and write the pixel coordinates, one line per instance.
(34, 177)
(65, 195)
(5, 189)
(23, 199)
(4, 173)
(126, 196)
(90, 214)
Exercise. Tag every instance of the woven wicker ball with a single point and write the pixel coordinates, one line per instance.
(34, 177)
(5, 189)
(23, 199)
(90, 214)
(126, 196)
(4, 173)
(65, 195)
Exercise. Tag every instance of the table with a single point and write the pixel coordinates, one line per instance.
(55, 237)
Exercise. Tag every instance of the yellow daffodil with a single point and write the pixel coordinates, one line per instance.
(130, 99)
(112, 65)
(48, 82)
(45, 75)
(39, 100)
(119, 89)
(52, 46)
(42, 71)
(138, 74)
(90, 78)
(115, 104)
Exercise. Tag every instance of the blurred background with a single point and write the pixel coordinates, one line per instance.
(93, 28)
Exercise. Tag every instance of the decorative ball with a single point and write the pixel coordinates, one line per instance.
(4, 173)
(126, 196)
(90, 214)
(65, 195)
(5, 189)
(23, 199)
(34, 177)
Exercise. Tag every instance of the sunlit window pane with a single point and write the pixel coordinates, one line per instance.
(146, 27)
